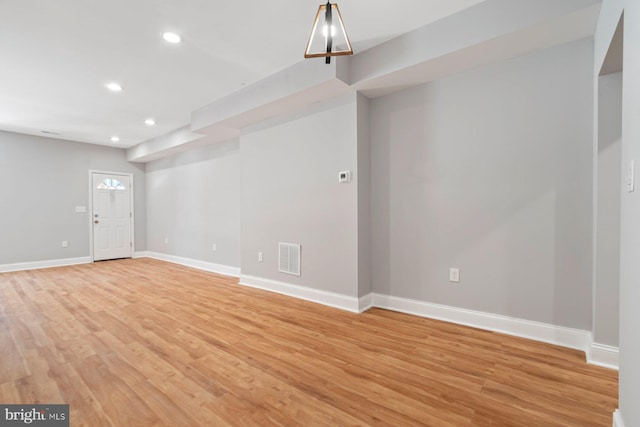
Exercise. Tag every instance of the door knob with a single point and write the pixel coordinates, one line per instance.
(96, 221)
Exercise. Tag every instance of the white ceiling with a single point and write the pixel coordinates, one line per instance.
(56, 57)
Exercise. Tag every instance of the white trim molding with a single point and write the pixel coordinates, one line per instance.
(603, 355)
(617, 419)
(566, 337)
(34, 265)
(330, 299)
(195, 263)
(365, 303)
(596, 354)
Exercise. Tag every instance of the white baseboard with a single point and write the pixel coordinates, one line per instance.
(34, 265)
(617, 419)
(597, 354)
(194, 263)
(603, 355)
(365, 303)
(566, 337)
(330, 299)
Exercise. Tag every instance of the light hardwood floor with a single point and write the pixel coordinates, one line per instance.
(143, 342)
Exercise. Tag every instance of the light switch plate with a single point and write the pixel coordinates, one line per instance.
(630, 178)
(81, 209)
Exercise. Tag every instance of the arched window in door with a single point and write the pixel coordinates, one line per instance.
(111, 184)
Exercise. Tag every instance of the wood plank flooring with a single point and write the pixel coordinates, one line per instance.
(147, 343)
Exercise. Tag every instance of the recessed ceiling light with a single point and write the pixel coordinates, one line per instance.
(114, 87)
(115, 139)
(149, 122)
(171, 38)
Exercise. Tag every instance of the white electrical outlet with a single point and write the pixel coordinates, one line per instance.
(166, 240)
(344, 177)
(454, 275)
(260, 256)
(630, 178)
(214, 247)
(65, 244)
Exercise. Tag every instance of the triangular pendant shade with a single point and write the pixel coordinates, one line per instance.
(324, 42)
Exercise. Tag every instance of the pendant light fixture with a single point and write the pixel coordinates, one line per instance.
(328, 36)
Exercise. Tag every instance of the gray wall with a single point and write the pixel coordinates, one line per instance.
(630, 223)
(43, 180)
(489, 171)
(193, 201)
(606, 296)
(610, 16)
(290, 193)
(364, 195)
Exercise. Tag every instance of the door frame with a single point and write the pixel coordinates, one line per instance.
(90, 209)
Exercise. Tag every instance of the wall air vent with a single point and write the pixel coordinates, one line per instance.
(289, 255)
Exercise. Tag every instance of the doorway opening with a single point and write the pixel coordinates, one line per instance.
(608, 195)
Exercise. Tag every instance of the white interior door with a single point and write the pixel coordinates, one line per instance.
(111, 216)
